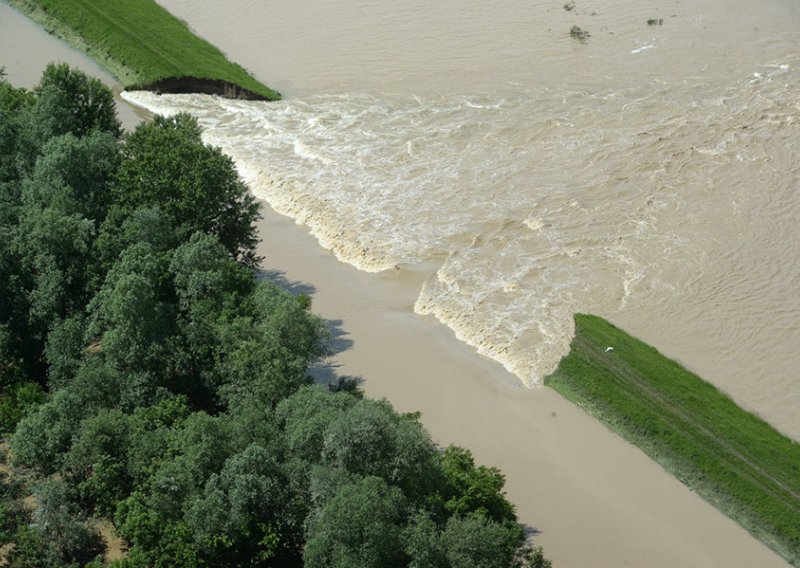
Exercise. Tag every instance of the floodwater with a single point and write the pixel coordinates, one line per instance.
(25, 50)
(476, 145)
(648, 174)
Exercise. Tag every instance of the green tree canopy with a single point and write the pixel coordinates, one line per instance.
(167, 165)
(150, 379)
(243, 512)
(65, 101)
(73, 175)
(371, 439)
(131, 316)
(360, 527)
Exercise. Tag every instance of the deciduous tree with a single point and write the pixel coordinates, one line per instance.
(167, 165)
(360, 527)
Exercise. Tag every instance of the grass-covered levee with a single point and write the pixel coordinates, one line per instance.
(731, 457)
(145, 46)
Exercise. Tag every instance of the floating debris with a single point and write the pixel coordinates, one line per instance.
(580, 34)
(655, 22)
(569, 6)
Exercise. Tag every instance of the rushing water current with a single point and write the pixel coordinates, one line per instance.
(649, 175)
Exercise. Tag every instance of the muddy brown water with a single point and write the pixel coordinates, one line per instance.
(25, 50)
(508, 170)
(648, 175)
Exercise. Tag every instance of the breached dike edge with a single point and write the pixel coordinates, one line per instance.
(168, 58)
(199, 85)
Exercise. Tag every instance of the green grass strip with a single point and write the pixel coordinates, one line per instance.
(729, 456)
(140, 42)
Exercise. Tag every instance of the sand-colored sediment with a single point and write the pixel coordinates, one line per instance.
(598, 501)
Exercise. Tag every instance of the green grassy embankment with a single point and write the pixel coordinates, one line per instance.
(144, 46)
(731, 457)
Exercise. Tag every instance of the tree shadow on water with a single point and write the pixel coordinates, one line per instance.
(278, 277)
(530, 531)
(339, 340)
(324, 371)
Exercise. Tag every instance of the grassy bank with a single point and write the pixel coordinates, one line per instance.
(144, 46)
(729, 456)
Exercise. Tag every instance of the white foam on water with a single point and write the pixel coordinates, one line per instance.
(543, 203)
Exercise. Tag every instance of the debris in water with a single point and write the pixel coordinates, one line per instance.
(577, 33)
(569, 6)
(643, 48)
(655, 22)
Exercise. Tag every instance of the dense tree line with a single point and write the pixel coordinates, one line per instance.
(149, 378)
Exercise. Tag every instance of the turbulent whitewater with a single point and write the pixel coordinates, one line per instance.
(668, 204)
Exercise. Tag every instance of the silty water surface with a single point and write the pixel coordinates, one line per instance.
(649, 175)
